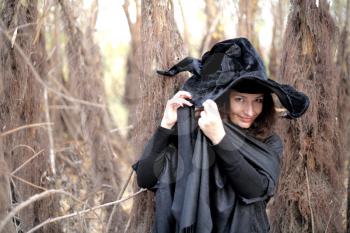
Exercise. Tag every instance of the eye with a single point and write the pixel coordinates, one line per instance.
(239, 99)
(260, 100)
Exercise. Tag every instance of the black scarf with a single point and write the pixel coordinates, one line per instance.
(193, 195)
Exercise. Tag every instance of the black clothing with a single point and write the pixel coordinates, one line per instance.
(206, 188)
(242, 175)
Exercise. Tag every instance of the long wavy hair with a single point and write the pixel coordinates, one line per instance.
(263, 126)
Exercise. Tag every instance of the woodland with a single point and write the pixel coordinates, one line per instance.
(73, 121)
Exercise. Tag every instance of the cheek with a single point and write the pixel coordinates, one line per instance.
(258, 108)
(234, 108)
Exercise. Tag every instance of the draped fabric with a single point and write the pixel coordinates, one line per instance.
(194, 195)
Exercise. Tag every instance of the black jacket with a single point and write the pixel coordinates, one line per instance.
(206, 188)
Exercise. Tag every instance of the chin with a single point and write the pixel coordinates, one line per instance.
(244, 125)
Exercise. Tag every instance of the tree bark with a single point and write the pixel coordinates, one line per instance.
(279, 11)
(343, 64)
(92, 123)
(5, 191)
(21, 103)
(310, 190)
(162, 47)
(133, 91)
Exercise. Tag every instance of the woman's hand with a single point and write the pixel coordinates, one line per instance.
(170, 112)
(210, 122)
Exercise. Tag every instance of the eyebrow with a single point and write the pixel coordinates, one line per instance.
(238, 95)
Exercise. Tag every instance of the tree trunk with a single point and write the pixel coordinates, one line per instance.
(21, 103)
(162, 47)
(132, 91)
(247, 14)
(343, 63)
(92, 123)
(311, 189)
(279, 11)
(215, 29)
(5, 191)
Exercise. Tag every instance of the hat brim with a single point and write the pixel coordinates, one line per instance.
(294, 101)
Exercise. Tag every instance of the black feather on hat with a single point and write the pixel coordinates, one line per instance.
(229, 64)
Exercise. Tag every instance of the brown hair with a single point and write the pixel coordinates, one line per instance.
(263, 126)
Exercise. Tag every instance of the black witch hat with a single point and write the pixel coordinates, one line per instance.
(228, 64)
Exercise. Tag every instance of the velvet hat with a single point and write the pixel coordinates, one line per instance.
(234, 63)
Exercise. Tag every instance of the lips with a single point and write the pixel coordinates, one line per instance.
(246, 120)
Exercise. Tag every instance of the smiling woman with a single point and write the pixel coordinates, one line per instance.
(251, 107)
(218, 173)
(245, 108)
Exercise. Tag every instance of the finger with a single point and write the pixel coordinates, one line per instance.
(181, 101)
(175, 106)
(201, 123)
(212, 103)
(183, 94)
(210, 107)
(203, 114)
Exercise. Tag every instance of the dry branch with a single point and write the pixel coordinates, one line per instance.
(49, 131)
(28, 183)
(26, 162)
(119, 196)
(51, 220)
(25, 127)
(309, 198)
(31, 200)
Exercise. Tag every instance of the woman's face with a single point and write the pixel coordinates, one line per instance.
(245, 108)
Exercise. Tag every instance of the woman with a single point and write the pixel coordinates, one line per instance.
(217, 173)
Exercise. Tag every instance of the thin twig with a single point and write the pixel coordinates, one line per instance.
(119, 129)
(25, 127)
(29, 183)
(329, 220)
(128, 225)
(21, 26)
(51, 220)
(309, 198)
(64, 107)
(119, 196)
(31, 200)
(26, 162)
(49, 132)
(25, 146)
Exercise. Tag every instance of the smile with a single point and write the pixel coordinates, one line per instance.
(246, 120)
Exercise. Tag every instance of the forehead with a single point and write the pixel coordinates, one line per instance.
(234, 93)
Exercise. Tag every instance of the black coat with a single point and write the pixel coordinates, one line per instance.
(198, 191)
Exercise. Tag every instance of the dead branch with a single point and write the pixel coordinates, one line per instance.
(51, 220)
(49, 132)
(31, 200)
(25, 146)
(26, 162)
(25, 127)
(309, 198)
(123, 128)
(28, 183)
(119, 196)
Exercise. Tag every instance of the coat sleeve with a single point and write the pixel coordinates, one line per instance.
(250, 183)
(151, 163)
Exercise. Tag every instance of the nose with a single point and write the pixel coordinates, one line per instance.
(249, 110)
